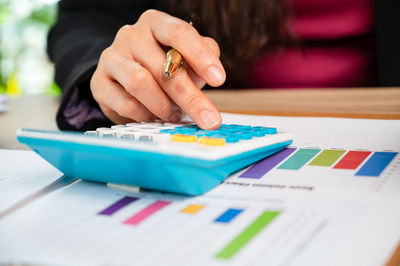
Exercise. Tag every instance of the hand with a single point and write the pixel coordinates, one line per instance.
(129, 83)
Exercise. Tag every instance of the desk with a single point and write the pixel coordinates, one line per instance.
(29, 112)
(382, 103)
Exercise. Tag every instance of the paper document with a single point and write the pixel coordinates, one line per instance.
(22, 173)
(329, 199)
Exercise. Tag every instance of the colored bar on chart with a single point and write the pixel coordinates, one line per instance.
(192, 208)
(247, 234)
(376, 164)
(228, 215)
(264, 166)
(145, 213)
(113, 208)
(352, 160)
(327, 157)
(300, 158)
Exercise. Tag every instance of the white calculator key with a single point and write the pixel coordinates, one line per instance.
(91, 132)
(152, 124)
(107, 133)
(119, 126)
(151, 137)
(124, 134)
(103, 129)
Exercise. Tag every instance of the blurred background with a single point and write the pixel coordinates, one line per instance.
(24, 66)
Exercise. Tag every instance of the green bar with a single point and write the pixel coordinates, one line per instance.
(300, 158)
(247, 234)
(327, 157)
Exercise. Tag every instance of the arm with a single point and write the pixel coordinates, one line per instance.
(108, 61)
(82, 31)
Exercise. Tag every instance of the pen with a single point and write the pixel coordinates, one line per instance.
(174, 59)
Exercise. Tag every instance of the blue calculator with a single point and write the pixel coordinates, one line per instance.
(179, 158)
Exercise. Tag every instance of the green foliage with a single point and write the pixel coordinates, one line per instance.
(18, 19)
(45, 15)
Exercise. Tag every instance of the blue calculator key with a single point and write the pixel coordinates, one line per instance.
(239, 126)
(270, 130)
(228, 138)
(170, 131)
(185, 128)
(267, 130)
(256, 133)
(209, 132)
(193, 126)
(241, 135)
(199, 134)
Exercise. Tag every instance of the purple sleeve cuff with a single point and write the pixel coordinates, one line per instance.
(79, 111)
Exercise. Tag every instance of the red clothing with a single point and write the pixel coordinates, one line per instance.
(336, 48)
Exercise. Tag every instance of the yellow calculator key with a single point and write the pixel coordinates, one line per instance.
(211, 141)
(183, 138)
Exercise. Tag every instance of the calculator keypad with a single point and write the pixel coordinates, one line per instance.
(183, 133)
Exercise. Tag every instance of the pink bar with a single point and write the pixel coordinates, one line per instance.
(146, 212)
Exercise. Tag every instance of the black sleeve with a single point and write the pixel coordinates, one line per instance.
(83, 29)
(388, 41)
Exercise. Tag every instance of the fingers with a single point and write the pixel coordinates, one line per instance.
(171, 31)
(129, 83)
(140, 84)
(117, 104)
(113, 116)
(196, 79)
(180, 87)
(212, 44)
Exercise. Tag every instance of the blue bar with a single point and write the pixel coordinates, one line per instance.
(376, 164)
(228, 216)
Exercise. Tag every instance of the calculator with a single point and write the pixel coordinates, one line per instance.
(180, 158)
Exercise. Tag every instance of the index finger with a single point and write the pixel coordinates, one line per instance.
(176, 33)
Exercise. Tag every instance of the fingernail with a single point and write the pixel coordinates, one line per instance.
(215, 75)
(209, 118)
(176, 116)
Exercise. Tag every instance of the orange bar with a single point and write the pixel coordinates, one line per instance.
(192, 208)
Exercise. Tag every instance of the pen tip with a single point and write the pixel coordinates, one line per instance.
(167, 74)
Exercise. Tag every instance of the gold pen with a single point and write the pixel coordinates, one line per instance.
(172, 62)
(174, 59)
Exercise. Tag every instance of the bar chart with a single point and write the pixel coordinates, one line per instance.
(361, 163)
(148, 228)
(225, 217)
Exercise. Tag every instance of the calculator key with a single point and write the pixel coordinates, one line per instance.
(199, 134)
(151, 123)
(125, 135)
(238, 126)
(120, 127)
(169, 131)
(146, 138)
(172, 125)
(267, 130)
(241, 135)
(185, 129)
(211, 141)
(256, 133)
(228, 138)
(108, 134)
(183, 138)
(210, 132)
(103, 129)
(105, 132)
(91, 133)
